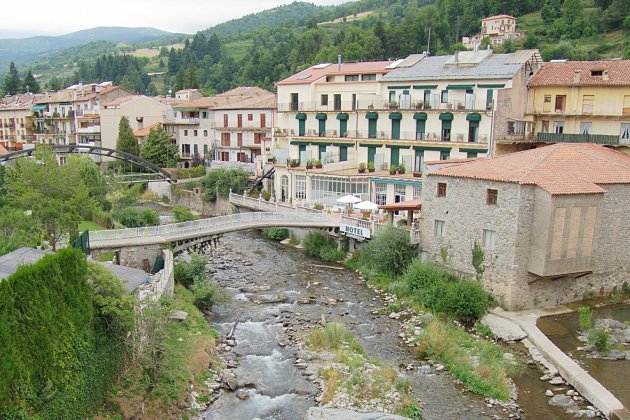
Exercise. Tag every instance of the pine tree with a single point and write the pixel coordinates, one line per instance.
(158, 149)
(30, 83)
(12, 83)
(126, 141)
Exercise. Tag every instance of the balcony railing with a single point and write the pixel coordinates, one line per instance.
(580, 138)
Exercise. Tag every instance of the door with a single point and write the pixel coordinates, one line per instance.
(371, 129)
(473, 131)
(446, 130)
(294, 102)
(426, 101)
(489, 99)
(395, 129)
(420, 129)
(322, 128)
(558, 127)
(343, 128)
(284, 188)
(337, 102)
(343, 153)
(394, 156)
(560, 102)
(322, 151)
(624, 137)
(371, 153)
(419, 159)
(586, 128)
(354, 101)
(301, 128)
(301, 150)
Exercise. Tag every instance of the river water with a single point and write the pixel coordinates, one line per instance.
(277, 294)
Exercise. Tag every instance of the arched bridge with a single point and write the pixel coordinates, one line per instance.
(203, 228)
(96, 151)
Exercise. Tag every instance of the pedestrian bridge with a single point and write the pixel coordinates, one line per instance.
(203, 228)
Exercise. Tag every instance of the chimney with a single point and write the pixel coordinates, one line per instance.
(577, 76)
(339, 62)
(605, 75)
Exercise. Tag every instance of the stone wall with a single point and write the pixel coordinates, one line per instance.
(193, 199)
(140, 257)
(162, 282)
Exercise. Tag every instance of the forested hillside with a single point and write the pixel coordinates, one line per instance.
(265, 47)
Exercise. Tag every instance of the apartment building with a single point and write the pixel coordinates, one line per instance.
(581, 102)
(234, 126)
(551, 222)
(16, 121)
(497, 29)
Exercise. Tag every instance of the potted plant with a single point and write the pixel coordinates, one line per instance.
(419, 104)
(294, 163)
(392, 170)
(393, 105)
(370, 167)
(401, 169)
(362, 168)
(309, 164)
(318, 164)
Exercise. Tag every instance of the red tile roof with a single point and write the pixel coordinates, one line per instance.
(560, 169)
(578, 73)
(316, 72)
(245, 97)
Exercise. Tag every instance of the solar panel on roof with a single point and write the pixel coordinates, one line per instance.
(304, 76)
(321, 66)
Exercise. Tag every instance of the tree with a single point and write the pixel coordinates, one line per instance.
(219, 182)
(159, 149)
(55, 83)
(126, 141)
(12, 83)
(30, 83)
(389, 252)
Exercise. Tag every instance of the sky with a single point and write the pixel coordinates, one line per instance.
(25, 18)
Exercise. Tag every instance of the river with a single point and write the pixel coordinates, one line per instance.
(277, 292)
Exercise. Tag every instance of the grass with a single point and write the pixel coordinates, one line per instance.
(334, 337)
(105, 256)
(478, 364)
(89, 225)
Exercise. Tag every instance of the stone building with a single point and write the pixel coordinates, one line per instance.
(552, 222)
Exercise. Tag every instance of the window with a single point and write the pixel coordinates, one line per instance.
(444, 96)
(587, 104)
(491, 197)
(300, 187)
(489, 99)
(473, 131)
(250, 117)
(337, 99)
(625, 133)
(204, 114)
(239, 120)
(225, 139)
(441, 189)
(258, 138)
(365, 77)
(195, 150)
(195, 133)
(488, 239)
(186, 150)
(438, 228)
(426, 100)
(205, 150)
(417, 192)
(626, 105)
(226, 120)
(545, 126)
(400, 193)
(547, 103)
(558, 127)
(205, 133)
(586, 127)
(324, 100)
(597, 73)
(471, 155)
(343, 153)
(185, 133)
(560, 103)
(330, 78)
(380, 194)
(446, 130)
(352, 78)
(445, 155)
(295, 104)
(263, 120)
(225, 156)
(239, 139)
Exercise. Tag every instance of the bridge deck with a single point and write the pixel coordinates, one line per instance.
(118, 238)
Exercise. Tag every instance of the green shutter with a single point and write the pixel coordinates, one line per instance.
(302, 128)
(343, 128)
(394, 156)
(420, 129)
(371, 129)
(395, 129)
(429, 87)
(322, 128)
(371, 153)
(343, 153)
(491, 86)
(399, 87)
(489, 97)
(322, 149)
(459, 87)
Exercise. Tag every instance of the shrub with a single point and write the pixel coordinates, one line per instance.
(266, 195)
(194, 172)
(314, 242)
(600, 339)
(218, 182)
(133, 217)
(183, 214)
(188, 272)
(332, 337)
(465, 300)
(331, 254)
(389, 252)
(276, 234)
(586, 318)
(206, 294)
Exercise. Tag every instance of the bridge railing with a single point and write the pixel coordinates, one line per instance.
(263, 205)
(207, 226)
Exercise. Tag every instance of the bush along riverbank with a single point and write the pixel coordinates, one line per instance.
(350, 379)
(440, 314)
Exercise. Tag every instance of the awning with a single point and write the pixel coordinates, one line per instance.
(395, 115)
(403, 205)
(422, 116)
(342, 116)
(492, 86)
(40, 107)
(425, 86)
(399, 87)
(372, 115)
(446, 116)
(473, 117)
(466, 149)
(300, 116)
(459, 87)
(321, 116)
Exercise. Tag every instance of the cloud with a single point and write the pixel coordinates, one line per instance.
(56, 17)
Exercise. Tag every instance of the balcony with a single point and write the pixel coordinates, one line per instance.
(89, 130)
(181, 121)
(581, 138)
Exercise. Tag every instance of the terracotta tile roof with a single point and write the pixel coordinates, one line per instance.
(143, 132)
(121, 100)
(560, 169)
(578, 73)
(316, 72)
(22, 101)
(246, 97)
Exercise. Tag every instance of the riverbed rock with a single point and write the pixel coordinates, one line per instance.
(611, 324)
(503, 328)
(549, 393)
(274, 298)
(178, 316)
(556, 380)
(563, 401)
(242, 394)
(229, 380)
(320, 413)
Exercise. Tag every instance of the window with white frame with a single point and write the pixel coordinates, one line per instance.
(438, 229)
(300, 187)
(417, 192)
(488, 239)
(400, 192)
(380, 191)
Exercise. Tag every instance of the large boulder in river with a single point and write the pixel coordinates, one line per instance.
(320, 413)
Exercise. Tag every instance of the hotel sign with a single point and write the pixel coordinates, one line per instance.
(356, 231)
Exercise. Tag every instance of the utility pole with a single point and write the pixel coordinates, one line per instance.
(429, 43)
